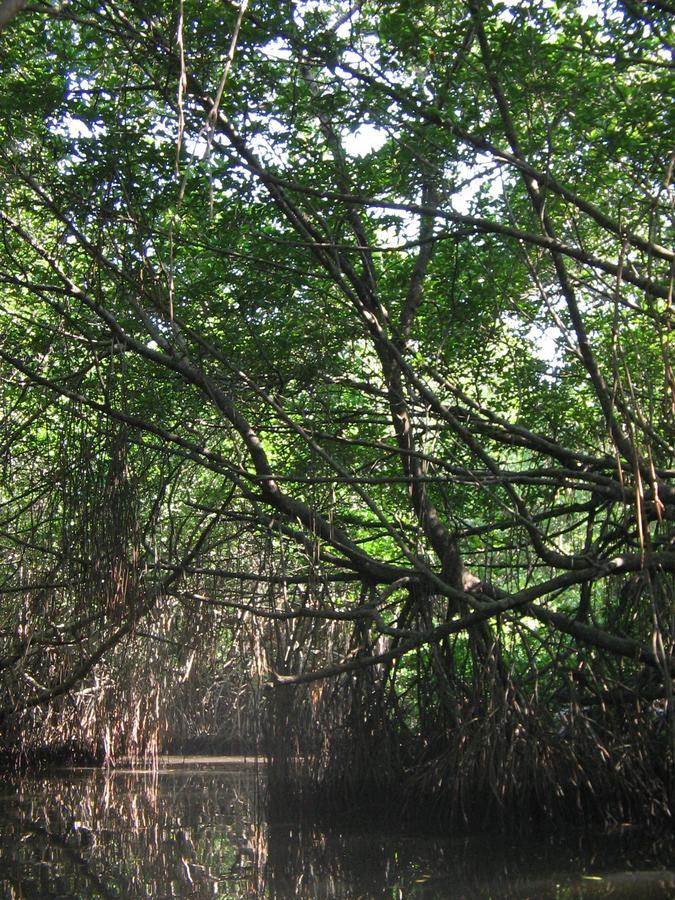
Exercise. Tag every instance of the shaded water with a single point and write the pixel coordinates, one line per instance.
(196, 828)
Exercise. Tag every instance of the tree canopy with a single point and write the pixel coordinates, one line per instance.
(339, 319)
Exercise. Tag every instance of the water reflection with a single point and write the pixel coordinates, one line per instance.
(401, 864)
(197, 830)
(187, 830)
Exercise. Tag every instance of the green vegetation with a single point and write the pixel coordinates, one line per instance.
(337, 394)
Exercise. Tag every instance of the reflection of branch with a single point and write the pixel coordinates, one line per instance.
(61, 841)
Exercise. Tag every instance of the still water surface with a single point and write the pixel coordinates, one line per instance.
(196, 828)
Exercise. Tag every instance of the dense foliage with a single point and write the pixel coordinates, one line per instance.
(336, 349)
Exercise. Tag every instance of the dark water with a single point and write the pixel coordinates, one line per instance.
(196, 828)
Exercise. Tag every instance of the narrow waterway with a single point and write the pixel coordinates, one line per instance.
(196, 828)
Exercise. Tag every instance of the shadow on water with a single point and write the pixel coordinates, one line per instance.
(196, 828)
